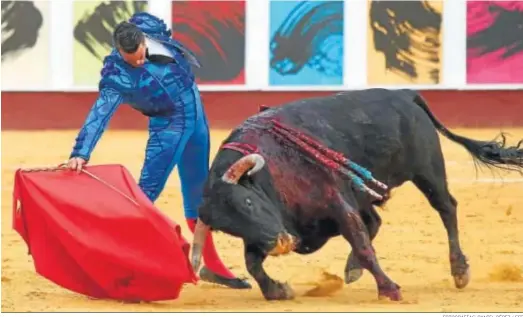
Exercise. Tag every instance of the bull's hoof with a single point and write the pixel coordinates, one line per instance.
(235, 283)
(462, 280)
(390, 293)
(353, 269)
(353, 275)
(279, 291)
(460, 270)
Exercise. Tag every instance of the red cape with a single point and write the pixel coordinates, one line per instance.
(100, 237)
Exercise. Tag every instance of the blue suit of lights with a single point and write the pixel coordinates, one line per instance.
(168, 95)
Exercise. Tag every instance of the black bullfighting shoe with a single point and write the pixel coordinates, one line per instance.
(236, 283)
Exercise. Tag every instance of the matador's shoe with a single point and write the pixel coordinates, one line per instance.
(214, 271)
(236, 283)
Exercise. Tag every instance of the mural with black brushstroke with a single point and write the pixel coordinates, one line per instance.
(21, 24)
(93, 27)
(25, 39)
(405, 42)
(494, 42)
(306, 44)
(215, 32)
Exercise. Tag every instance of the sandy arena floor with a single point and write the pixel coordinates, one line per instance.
(411, 245)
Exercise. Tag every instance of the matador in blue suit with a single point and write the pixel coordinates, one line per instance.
(151, 72)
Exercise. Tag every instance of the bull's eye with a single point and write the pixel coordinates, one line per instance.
(248, 202)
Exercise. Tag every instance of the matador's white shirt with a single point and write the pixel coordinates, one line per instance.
(157, 48)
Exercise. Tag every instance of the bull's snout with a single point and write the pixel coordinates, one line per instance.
(284, 244)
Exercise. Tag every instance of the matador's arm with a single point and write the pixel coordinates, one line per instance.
(96, 122)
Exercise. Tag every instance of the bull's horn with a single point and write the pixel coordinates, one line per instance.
(251, 163)
(259, 164)
(200, 234)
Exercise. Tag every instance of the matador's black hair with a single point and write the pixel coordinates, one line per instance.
(127, 37)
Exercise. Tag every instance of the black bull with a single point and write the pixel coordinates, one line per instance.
(280, 199)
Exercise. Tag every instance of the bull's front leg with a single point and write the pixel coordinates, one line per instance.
(372, 220)
(271, 289)
(353, 229)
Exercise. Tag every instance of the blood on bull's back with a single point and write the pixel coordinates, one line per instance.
(302, 182)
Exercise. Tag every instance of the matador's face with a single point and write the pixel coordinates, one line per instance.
(137, 58)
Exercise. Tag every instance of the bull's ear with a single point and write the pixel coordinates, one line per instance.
(246, 180)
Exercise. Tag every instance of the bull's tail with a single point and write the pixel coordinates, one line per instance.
(488, 153)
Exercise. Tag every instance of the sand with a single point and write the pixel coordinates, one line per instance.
(411, 245)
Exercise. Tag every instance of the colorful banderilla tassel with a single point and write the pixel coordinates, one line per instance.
(337, 156)
(327, 161)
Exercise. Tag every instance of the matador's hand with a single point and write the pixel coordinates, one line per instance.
(76, 163)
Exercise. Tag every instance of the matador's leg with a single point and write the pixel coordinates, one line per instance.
(193, 170)
(167, 139)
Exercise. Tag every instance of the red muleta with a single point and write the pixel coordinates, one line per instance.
(97, 234)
